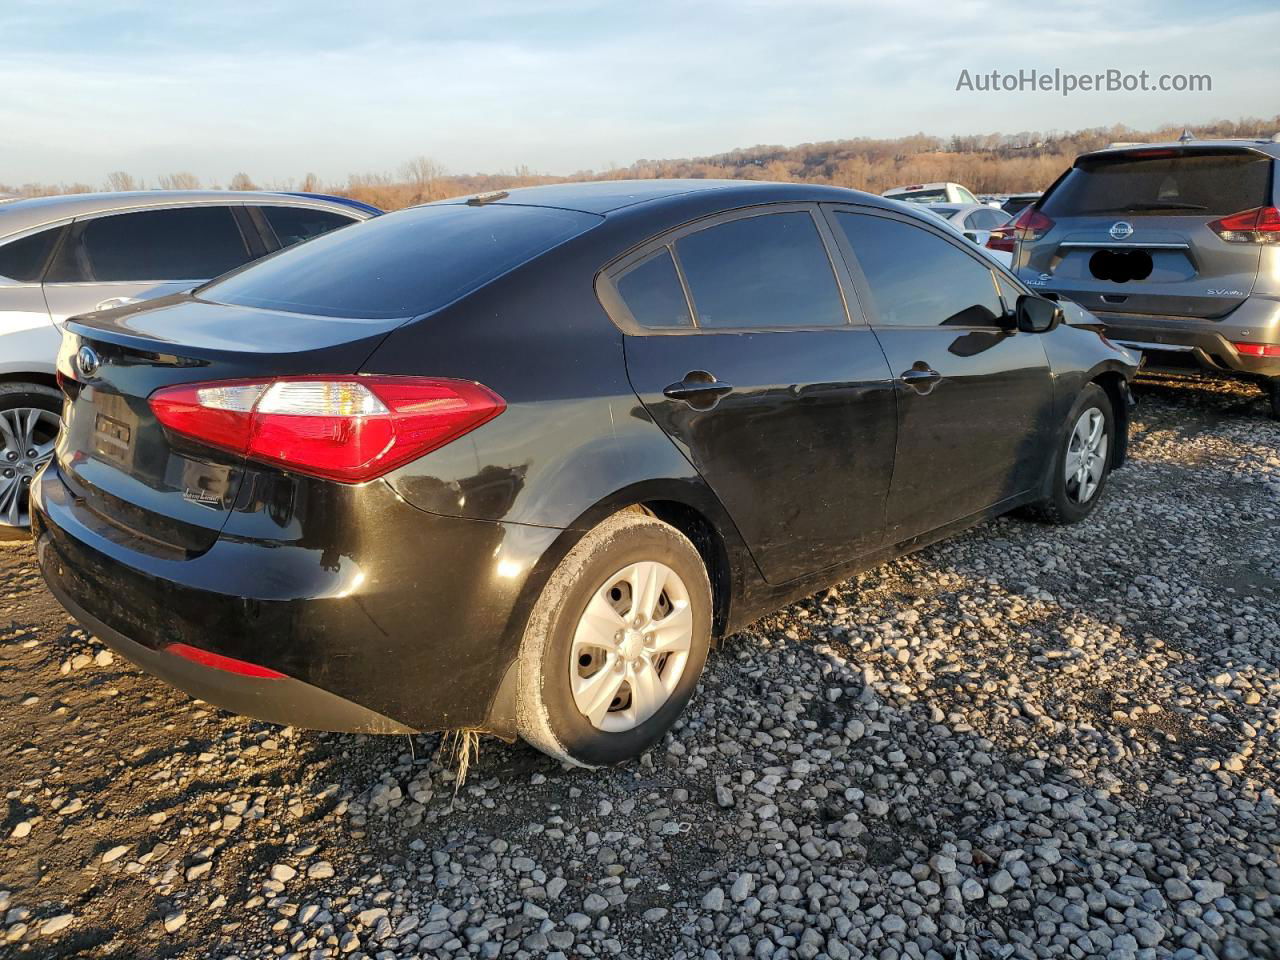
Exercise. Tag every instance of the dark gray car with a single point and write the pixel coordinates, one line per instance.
(1175, 247)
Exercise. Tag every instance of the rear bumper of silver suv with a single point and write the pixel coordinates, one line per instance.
(1196, 343)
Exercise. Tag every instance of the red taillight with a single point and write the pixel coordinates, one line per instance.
(1257, 349)
(1259, 225)
(349, 429)
(1002, 238)
(216, 661)
(1031, 225)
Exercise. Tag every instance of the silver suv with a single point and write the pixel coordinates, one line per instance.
(1175, 247)
(65, 255)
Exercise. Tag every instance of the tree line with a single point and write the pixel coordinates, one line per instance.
(986, 163)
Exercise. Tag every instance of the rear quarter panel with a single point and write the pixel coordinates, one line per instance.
(574, 444)
(28, 338)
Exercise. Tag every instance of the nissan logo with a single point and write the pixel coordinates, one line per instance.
(1120, 229)
(88, 362)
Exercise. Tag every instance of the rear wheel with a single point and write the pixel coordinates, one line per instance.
(1272, 388)
(29, 421)
(615, 644)
(1083, 461)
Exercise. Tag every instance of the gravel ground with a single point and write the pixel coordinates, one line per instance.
(1026, 742)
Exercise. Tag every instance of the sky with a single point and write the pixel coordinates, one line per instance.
(280, 88)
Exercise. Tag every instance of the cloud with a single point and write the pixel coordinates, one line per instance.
(282, 89)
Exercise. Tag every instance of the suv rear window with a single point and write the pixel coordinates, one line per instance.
(1186, 185)
(403, 264)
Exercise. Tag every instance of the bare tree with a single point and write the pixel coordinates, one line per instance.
(182, 180)
(120, 181)
(241, 181)
(310, 183)
(422, 173)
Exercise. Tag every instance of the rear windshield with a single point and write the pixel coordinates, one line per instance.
(1188, 185)
(400, 265)
(920, 196)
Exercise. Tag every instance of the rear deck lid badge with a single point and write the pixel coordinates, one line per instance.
(1120, 230)
(206, 498)
(87, 362)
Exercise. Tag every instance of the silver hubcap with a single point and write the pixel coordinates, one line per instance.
(631, 646)
(27, 435)
(1086, 456)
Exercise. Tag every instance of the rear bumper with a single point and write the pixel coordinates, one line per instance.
(384, 618)
(277, 700)
(1189, 346)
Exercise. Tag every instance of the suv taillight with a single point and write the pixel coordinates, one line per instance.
(1257, 349)
(1259, 225)
(349, 429)
(1002, 238)
(1031, 224)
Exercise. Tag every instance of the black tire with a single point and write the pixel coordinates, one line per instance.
(1062, 506)
(1272, 389)
(14, 396)
(547, 715)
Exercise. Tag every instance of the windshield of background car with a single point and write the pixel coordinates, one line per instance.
(403, 264)
(1190, 184)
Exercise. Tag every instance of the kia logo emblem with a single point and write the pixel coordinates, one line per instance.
(1119, 230)
(88, 362)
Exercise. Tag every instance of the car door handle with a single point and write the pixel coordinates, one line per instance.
(921, 378)
(113, 302)
(699, 389)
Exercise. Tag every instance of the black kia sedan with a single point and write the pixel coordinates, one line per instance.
(509, 463)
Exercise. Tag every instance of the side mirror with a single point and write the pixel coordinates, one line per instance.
(1036, 314)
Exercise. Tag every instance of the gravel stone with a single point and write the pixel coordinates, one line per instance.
(1022, 742)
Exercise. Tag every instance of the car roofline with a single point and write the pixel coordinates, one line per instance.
(29, 213)
(750, 191)
(1268, 148)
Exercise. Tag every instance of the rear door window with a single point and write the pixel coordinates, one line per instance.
(24, 260)
(403, 264)
(918, 279)
(188, 243)
(768, 270)
(1192, 184)
(294, 224)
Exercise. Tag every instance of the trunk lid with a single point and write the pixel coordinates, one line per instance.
(168, 492)
(1132, 232)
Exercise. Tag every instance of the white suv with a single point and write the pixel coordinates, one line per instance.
(65, 255)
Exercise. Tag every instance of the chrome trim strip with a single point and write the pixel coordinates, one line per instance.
(1112, 244)
(1166, 347)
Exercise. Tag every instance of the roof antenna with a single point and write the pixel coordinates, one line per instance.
(1186, 135)
(493, 196)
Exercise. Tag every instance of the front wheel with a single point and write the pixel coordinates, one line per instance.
(615, 644)
(1083, 461)
(29, 421)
